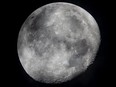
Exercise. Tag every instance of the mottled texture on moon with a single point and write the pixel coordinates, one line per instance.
(57, 42)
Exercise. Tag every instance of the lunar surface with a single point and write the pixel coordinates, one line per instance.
(57, 42)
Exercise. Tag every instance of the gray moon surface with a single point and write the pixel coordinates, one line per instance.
(58, 42)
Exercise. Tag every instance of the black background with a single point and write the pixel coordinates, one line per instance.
(99, 74)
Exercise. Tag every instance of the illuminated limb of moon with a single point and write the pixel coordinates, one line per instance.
(59, 40)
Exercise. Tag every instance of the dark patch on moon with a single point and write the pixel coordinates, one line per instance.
(75, 23)
(35, 25)
(82, 48)
(38, 22)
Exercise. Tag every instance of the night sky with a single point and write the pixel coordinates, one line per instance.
(99, 74)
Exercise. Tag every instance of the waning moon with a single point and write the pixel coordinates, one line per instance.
(57, 42)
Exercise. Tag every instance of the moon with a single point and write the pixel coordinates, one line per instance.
(57, 42)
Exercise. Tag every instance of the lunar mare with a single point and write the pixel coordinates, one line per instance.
(57, 42)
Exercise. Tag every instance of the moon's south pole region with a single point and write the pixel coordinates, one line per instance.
(57, 42)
